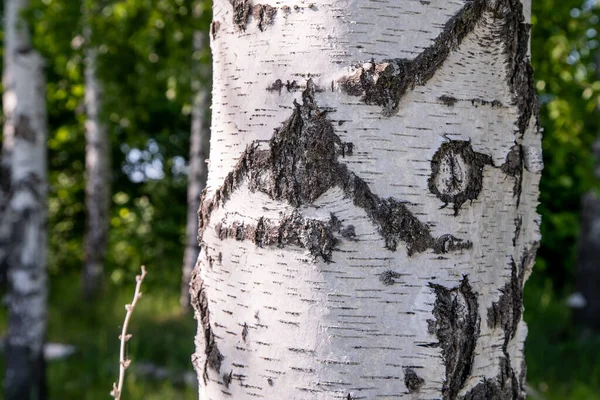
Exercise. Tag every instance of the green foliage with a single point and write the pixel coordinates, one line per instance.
(564, 50)
(146, 65)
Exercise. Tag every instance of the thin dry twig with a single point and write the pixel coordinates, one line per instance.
(124, 337)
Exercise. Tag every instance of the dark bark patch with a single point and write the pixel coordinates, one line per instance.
(506, 312)
(264, 15)
(456, 326)
(448, 100)
(241, 12)
(245, 332)
(23, 129)
(318, 237)
(200, 303)
(513, 166)
(302, 164)
(227, 378)
(503, 387)
(457, 173)
(214, 29)
(389, 277)
(412, 381)
(278, 85)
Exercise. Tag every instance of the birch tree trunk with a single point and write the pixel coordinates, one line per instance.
(24, 213)
(97, 164)
(369, 218)
(197, 173)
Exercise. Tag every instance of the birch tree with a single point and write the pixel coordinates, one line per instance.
(588, 271)
(197, 163)
(97, 164)
(369, 218)
(23, 216)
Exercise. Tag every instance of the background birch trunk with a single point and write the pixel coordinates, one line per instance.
(587, 308)
(24, 214)
(369, 218)
(197, 173)
(97, 164)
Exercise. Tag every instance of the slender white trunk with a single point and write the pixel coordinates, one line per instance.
(97, 164)
(24, 213)
(369, 218)
(198, 170)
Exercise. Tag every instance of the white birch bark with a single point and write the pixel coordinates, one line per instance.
(330, 264)
(24, 214)
(198, 170)
(97, 164)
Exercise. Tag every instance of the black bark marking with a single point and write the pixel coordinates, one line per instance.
(457, 173)
(318, 237)
(200, 303)
(227, 378)
(300, 166)
(412, 381)
(513, 166)
(241, 12)
(388, 278)
(506, 313)
(448, 100)
(214, 29)
(386, 83)
(245, 332)
(456, 326)
(23, 129)
(270, 381)
(278, 85)
(264, 15)
(505, 386)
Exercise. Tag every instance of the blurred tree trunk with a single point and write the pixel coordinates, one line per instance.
(587, 299)
(369, 217)
(199, 142)
(97, 164)
(24, 212)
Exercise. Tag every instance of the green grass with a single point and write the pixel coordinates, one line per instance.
(563, 361)
(162, 335)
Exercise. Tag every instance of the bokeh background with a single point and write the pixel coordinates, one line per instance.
(145, 62)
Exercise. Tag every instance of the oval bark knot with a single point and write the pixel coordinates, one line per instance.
(457, 173)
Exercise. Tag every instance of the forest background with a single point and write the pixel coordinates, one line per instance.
(147, 62)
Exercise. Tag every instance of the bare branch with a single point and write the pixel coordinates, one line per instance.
(124, 336)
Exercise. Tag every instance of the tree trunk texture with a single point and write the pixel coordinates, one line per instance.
(587, 312)
(369, 218)
(97, 187)
(24, 211)
(197, 173)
